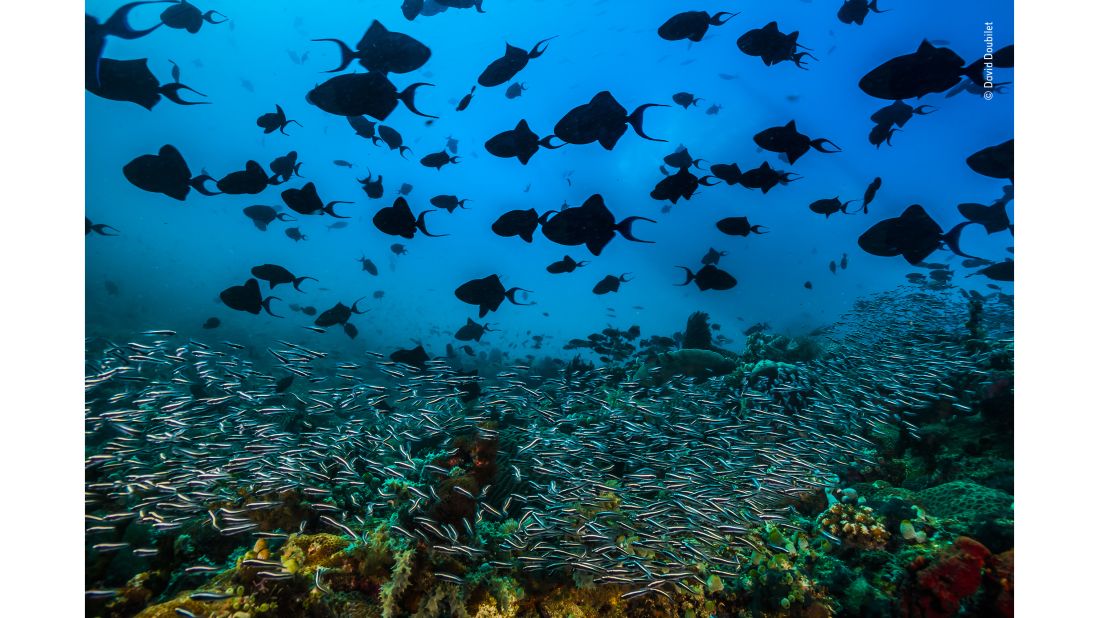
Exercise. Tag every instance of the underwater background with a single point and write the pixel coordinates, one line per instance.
(877, 398)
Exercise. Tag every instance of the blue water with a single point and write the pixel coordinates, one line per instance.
(173, 258)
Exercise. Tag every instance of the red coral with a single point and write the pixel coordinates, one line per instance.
(937, 590)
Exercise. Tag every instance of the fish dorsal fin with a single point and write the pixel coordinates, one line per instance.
(253, 167)
(603, 96)
(792, 125)
(595, 201)
(170, 151)
(925, 47)
(310, 191)
(771, 27)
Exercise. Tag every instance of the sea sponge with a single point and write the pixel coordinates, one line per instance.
(697, 335)
(937, 589)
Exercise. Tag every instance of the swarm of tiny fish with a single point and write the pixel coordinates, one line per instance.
(601, 477)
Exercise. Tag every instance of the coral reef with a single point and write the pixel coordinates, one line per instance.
(938, 588)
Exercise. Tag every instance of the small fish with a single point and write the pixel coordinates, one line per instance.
(565, 265)
(438, 159)
(739, 226)
(610, 283)
(295, 234)
(342, 163)
(210, 596)
(709, 277)
(685, 99)
(515, 90)
(464, 103)
(871, 192)
(211, 323)
(713, 256)
(368, 266)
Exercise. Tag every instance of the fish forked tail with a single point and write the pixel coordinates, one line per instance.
(171, 92)
(546, 143)
(920, 111)
(1003, 58)
(755, 229)
(282, 127)
(843, 208)
(510, 294)
(623, 278)
(407, 97)
(208, 17)
(403, 149)
(635, 119)
(284, 217)
(715, 19)
(690, 276)
(421, 224)
(298, 281)
(198, 183)
(355, 307)
(347, 55)
(535, 52)
(546, 216)
(953, 239)
(787, 178)
(266, 303)
(329, 210)
(118, 24)
(797, 58)
(99, 228)
(625, 228)
(873, 6)
(733, 174)
(818, 145)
